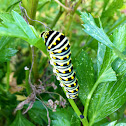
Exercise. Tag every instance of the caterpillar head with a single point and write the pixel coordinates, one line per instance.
(44, 34)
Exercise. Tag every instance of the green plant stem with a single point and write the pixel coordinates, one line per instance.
(57, 18)
(27, 83)
(74, 106)
(31, 7)
(89, 98)
(8, 75)
(71, 17)
(77, 111)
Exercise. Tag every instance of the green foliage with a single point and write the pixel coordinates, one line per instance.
(7, 105)
(14, 25)
(21, 121)
(65, 117)
(38, 113)
(99, 60)
(85, 75)
(6, 53)
(115, 4)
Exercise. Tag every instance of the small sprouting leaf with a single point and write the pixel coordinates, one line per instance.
(21, 121)
(85, 75)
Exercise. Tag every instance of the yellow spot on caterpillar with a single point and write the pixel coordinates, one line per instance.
(57, 71)
(64, 72)
(68, 63)
(77, 94)
(67, 57)
(69, 70)
(49, 47)
(54, 57)
(72, 77)
(67, 79)
(73, 95)
(60, 78)
(60, 51)
(66, 90)
(74, 84)
(58, 39)
(66, 48)
(61, 65)
(61, 58)
(52, 53)
(54, 63)
(72, 91)
(76, 89)
(69, 44)
(69, 86)
(63, 84)
(48, 33)
(54, 43)
(45, 36)
(62, 34)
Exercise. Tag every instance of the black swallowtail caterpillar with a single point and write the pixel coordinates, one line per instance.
(58, 47)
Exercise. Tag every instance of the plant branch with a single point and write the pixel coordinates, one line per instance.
(66, 8)
(57, 18)
(89, 98)
(8, 75)
(71, 16)
(77, 111)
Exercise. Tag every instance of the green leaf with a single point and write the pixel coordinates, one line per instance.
(104, 59)
(6, 53)
(3, 41)
(94, 31)
(98, 33)
(110, 123)
(119, 66)
(119, 38)
(116, 4)
(15, 26)
(6, 17)
(38, 113)
(21, 121)
(106, 99)
(100, 56)
(121, 124)
(85, 75)
(23, 25)
(65, 117)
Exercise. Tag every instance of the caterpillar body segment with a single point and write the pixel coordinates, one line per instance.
(58, 47)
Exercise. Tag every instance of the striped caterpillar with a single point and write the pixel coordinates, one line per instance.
(58, 47)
